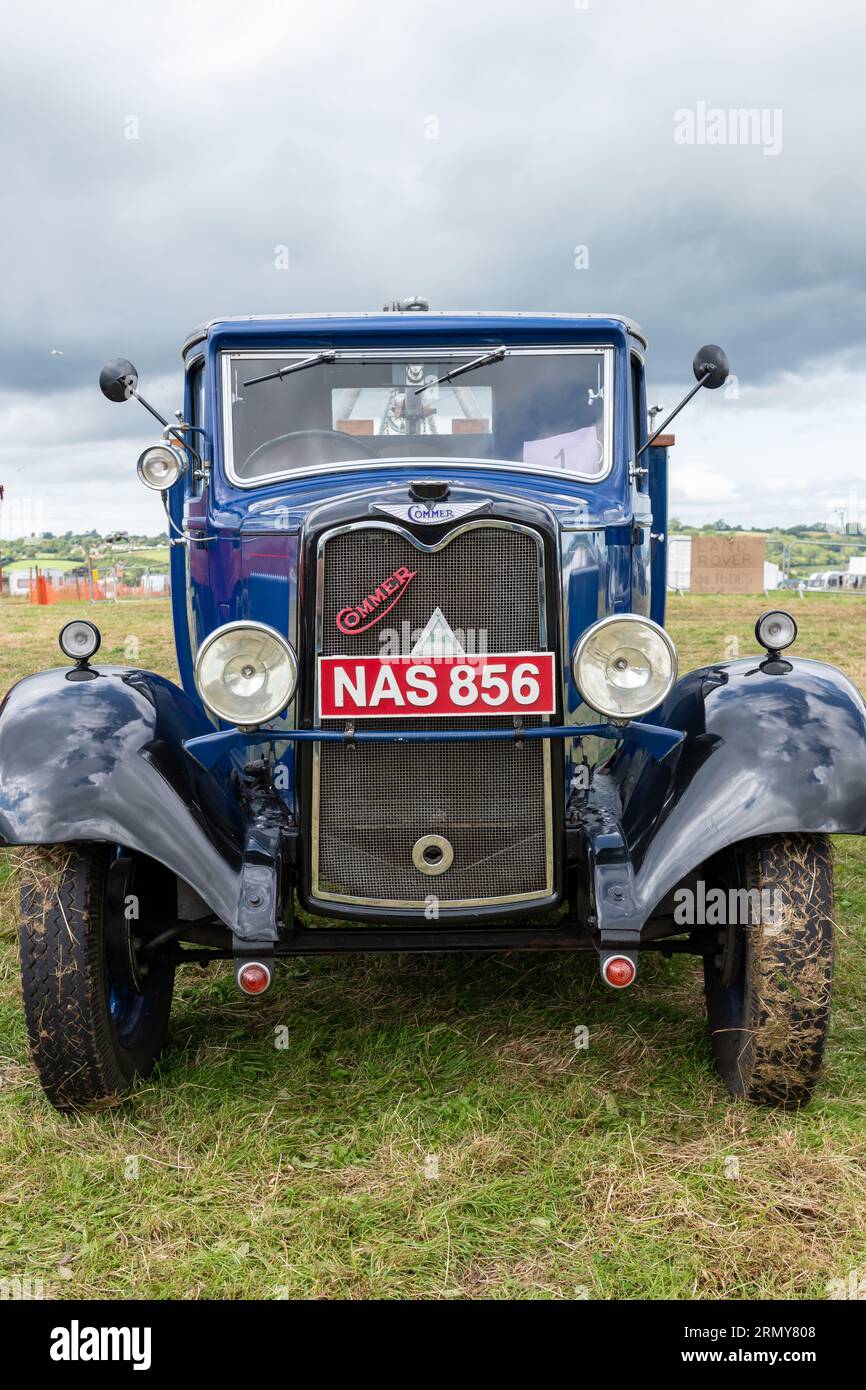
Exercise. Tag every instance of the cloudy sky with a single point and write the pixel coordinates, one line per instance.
(156, 156)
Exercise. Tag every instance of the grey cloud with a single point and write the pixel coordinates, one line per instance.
(298, 124)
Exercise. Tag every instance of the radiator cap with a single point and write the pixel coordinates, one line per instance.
(429, 490)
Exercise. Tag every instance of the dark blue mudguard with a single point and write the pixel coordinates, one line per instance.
(103, 759)
(765, 752)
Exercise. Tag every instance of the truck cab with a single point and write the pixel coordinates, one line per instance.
(493, 459)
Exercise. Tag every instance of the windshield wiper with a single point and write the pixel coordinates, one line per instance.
(495, 356)
(328, 356)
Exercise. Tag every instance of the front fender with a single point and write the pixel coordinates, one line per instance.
(102, 759)
(763, 754)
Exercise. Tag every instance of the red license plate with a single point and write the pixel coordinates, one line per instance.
(385, 687)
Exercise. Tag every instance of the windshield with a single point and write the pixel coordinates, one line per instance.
(542, 409)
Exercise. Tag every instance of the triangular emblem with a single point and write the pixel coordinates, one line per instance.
(437, 640)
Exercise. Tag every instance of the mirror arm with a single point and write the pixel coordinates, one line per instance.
(155, 413)
(676, 410)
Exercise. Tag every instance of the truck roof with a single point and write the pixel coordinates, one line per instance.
(493, 318)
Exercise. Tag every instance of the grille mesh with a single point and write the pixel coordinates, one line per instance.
(486, 580)
(377, 800)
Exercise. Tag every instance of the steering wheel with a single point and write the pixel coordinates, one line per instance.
(258, 459)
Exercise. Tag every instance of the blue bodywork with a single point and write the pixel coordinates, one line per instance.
(225, 580)
(249, 565)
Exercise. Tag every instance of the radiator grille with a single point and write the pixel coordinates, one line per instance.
(491, 800)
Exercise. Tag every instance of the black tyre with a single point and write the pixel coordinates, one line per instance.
(768, 981)
(96, 1020)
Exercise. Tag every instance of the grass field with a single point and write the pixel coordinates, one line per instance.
(428, 1129)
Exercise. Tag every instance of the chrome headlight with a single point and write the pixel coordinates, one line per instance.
(624, 666)
(160, 466)
(246, 673)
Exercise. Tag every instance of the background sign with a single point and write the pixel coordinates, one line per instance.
(727, 564)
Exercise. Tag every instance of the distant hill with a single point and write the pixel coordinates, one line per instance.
(137, 554)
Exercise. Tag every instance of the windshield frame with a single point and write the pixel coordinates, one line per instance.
(410, 354)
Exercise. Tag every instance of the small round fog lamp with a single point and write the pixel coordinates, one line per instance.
(776, 630)
(618, 971)
(254, 977)
(79, 640)
(160, 466)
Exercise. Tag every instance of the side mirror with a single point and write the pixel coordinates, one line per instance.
(711, 366)
(712, 369)
(118, 380)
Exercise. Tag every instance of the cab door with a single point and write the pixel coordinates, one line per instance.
(188, 517)
(642, 515)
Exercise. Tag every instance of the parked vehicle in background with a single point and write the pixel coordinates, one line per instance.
(826, 579)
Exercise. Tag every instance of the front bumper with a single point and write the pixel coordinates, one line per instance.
(592, 844)
(209, 748)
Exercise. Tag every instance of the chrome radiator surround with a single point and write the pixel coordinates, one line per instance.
(346, 858)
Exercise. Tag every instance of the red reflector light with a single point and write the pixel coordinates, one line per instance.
(254, 977)
(618, 971)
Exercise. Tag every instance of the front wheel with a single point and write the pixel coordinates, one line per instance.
(97, 1011)
(768, 974)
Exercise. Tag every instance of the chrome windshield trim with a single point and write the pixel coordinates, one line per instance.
(400, 354)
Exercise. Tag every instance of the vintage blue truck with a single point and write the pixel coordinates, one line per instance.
(427, 702)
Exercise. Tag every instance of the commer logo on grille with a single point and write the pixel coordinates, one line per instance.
(361, 616)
